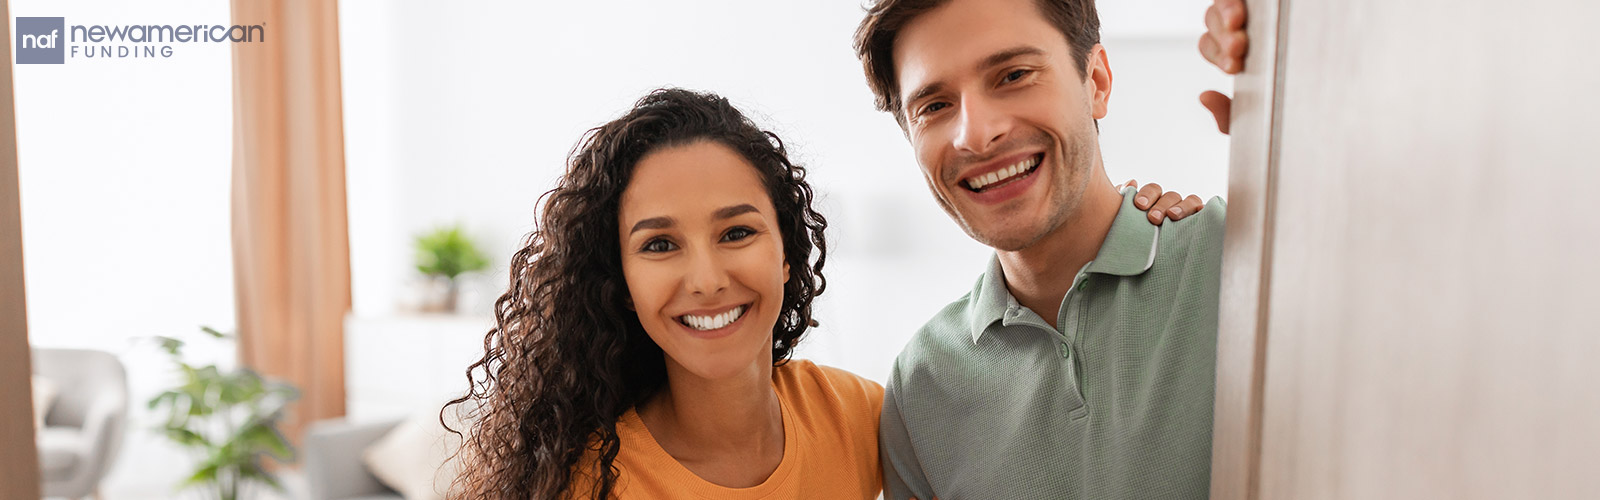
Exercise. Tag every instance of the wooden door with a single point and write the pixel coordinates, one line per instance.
(1412, 287)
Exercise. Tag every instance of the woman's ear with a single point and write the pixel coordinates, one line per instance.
(786, 275)
(627, 301)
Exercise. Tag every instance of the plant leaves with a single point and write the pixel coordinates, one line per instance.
(171, 345)
(209, 399)
(206, 473)
(214, 332)
(447, 252)
(256, 472)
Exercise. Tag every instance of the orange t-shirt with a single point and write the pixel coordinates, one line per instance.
(830, 446)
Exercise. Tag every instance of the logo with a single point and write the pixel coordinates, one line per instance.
(48, 40)
(41, 40)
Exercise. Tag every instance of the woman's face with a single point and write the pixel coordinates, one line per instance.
(703, 258)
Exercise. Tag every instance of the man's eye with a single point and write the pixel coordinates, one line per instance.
(1016, 75)
(658, 246)
(935, 106)
(737, 233)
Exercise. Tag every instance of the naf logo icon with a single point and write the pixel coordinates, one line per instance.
(41, 40)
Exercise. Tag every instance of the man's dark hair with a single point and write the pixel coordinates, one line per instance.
(1075, 19)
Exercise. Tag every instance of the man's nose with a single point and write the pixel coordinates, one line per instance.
(981, 125)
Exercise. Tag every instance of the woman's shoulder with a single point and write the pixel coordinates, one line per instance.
(829, 386)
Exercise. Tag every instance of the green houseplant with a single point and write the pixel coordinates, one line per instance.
(228, 418)
(444, 254)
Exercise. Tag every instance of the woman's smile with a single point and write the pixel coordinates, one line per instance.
(713, 323)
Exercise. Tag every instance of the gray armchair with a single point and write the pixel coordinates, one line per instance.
(334, 470)
(83, 431)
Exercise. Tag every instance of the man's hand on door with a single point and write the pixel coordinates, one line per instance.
(1224, 44)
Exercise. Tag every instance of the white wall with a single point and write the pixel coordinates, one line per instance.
(464, 112)
(124, 170)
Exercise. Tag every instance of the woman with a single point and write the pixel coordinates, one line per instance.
(643, 348)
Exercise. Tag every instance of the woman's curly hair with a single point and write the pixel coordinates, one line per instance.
(567, 357)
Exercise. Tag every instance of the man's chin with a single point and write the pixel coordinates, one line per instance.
(1006, 239)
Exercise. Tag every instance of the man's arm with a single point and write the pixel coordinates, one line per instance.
(902, 473)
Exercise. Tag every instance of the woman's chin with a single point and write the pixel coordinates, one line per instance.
(722, 367)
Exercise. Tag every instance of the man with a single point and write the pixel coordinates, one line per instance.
(1081, 364)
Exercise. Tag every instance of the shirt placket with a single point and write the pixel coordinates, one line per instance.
(1069, 327)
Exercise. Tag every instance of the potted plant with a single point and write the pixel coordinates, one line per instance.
(443, 255)
(228, 418)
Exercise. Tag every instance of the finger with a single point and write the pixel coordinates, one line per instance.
(1233, 13)
(1147, 194)
(1224, 51)
(1167, 201)
(1228, 40)
(1129, 184)
(1159, 211)
(1214, 22)
(1232, 47)
(1209, 48)
(1225, 27)
(1221, 107)
(1185, 208)
(1215, 54)
(1233, 41)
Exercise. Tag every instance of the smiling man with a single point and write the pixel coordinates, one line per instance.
(1081, 364)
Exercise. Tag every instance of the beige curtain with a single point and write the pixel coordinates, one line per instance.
(290, 241)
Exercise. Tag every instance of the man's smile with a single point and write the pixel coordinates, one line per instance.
(998, 177)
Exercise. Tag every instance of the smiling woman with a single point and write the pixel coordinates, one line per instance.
(643, 348)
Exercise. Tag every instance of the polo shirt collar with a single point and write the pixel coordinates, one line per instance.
(1130, 246)
(1128, 250)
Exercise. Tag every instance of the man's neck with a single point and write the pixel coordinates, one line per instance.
(1040, 275)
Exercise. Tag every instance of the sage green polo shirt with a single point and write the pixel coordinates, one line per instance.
(1112, 400)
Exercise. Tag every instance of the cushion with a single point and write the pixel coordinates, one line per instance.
(61, 450)
(417, 458)
(44, 395)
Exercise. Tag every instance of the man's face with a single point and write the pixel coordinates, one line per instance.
(1000, 117)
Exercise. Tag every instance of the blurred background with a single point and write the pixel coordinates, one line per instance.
(458, 116)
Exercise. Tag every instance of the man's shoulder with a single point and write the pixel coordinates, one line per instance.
(1197, 238)
(1207, 222)
(940, 337)
(954, 316)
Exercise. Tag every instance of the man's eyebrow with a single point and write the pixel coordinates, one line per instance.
(735, 210)
(1001, 57)
(993, 60)
(653, 223)
(925, 91)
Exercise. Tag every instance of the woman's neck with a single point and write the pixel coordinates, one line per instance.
(727, 430)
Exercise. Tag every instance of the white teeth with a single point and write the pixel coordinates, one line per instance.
(1003, 174)
(713, 322)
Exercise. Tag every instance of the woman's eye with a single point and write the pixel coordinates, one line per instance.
(737, 234)
(658, 246)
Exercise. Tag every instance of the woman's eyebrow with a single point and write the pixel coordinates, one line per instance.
(664, 222)
(734, 211)
(653, 223)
